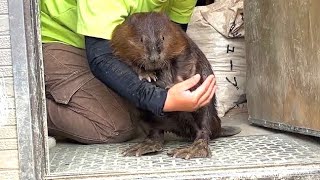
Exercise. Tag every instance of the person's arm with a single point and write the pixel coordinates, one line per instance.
(121, 78)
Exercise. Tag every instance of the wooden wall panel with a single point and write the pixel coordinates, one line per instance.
(283, 54)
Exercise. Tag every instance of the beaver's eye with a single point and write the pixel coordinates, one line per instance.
(141, 39)
(163, 38)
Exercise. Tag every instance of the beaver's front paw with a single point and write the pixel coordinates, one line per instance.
(149, 76)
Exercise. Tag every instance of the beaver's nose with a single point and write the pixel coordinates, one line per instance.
(154, 55)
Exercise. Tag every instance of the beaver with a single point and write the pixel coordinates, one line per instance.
(159, 51)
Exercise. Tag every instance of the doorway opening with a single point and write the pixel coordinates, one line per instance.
(256, 152)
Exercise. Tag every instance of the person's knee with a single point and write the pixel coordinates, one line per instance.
(94, 113)
(89, 124)
(109, 111)
(123, 125)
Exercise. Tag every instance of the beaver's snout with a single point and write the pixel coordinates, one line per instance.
(154, 55)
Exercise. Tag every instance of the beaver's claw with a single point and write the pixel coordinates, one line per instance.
(145, 147)
(148, 76)
(199, 149)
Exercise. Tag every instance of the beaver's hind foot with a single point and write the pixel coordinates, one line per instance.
(198, 149)
(145, 147)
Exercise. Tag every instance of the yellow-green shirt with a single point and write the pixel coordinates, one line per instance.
(67, 21)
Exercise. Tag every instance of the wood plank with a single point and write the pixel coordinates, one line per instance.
(9, 160)
(11, 120)
(5, 42)
(4, 25)
(3, 7)
(9, 175)
(5, 57)
(9, 102)
(7, 112)
(8, 118)
(8, 132)
(6, 85)
(302, 64)
(8, 144)
(6, 71)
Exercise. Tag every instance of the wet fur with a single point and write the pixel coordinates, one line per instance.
(178, 59)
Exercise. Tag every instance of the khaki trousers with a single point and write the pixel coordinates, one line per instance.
(79, 106)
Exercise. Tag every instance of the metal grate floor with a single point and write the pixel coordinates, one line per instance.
(235, 151)
(262, 150)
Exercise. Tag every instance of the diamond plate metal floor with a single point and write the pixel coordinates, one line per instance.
(268, 149)
(227, 152)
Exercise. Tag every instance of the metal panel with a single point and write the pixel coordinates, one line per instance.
(28, 87)
(283, 54)
(8, 130)
(232, 153)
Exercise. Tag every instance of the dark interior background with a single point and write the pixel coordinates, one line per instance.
(204, 2)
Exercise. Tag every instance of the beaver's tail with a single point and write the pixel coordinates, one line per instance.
(229, 131)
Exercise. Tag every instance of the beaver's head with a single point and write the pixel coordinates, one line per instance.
(149, 40)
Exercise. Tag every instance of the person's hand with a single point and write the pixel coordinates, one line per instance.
(180, 98)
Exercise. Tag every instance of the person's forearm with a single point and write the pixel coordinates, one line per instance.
(120, 78)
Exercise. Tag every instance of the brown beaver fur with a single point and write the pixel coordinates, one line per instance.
(160, 51)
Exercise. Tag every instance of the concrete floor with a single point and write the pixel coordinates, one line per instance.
(239, 117)
(254, 147)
